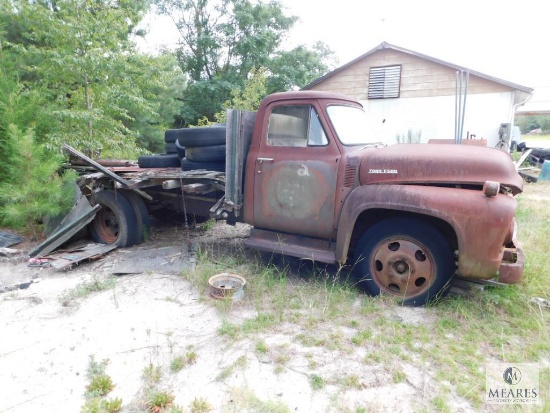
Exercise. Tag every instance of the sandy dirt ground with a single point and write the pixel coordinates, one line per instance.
(47, 339)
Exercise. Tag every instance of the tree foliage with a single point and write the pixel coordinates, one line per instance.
(529, 123)
(248, 98)
(223, 41)
(99, 91)
(70, 74)
(32, 187)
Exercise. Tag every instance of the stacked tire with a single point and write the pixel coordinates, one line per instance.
(171, 159)
(204, 148)
(191, 148)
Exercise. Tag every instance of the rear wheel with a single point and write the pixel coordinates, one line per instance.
(115, 222)
(406, 259)
(142, 214)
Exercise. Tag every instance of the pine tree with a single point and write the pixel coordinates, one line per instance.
(34, 188)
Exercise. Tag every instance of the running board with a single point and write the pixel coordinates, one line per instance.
(294, 245)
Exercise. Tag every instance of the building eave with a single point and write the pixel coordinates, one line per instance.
(385, 45)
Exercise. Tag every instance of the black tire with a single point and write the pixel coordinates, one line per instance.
(187, 165)
(541, 154)
(206, 153)
(115, 222)
(170, 148)
(143, 219)
(202, 136)
(180, 150)
(171, 135)
(405, 258)
(159, 161)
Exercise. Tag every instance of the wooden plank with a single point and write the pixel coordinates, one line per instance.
(523, 158)
(90, 252)
(106, 171)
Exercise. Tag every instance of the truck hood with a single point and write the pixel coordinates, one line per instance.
(438, 164)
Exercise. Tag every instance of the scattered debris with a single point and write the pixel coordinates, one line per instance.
(168, 260)
(226, 285)
(464, 286)
(8, 252)
(43, 262)
(81, 214)
(65, 260)
(528, 177)
(8, 238)
(18, 286)
(542, 302)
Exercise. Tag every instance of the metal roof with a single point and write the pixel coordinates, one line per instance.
(385, 45)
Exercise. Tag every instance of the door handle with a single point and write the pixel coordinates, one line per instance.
(261, 160)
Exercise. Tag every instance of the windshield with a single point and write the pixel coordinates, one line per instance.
(351, 124)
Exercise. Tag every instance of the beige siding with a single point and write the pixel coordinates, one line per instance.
(419, 77)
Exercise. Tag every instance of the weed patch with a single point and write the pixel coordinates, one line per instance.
(316, 381)
(151, 374)
(200, 405)
(158, 400)
(99, 386)
(180, 362)
(82, 290)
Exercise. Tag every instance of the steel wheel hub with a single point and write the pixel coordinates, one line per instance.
(402, 267)
(106, 224)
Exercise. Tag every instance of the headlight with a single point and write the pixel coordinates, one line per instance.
(491, 188)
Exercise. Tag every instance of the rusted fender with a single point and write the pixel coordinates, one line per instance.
(481, 224)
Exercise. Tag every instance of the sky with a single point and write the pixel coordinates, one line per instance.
(506, 39)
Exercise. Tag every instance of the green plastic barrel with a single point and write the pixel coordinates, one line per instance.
(545, 171)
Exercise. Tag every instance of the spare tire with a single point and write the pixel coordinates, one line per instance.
(187, 165)
(202, 136)
(206, 153)
(159, 161)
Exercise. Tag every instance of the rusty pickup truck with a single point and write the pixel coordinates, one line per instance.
(304, 173)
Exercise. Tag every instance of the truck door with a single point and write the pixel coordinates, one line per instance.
(296, 173)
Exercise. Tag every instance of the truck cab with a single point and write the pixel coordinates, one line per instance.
(408, 217)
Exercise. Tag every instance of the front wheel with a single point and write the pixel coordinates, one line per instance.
(407, 259)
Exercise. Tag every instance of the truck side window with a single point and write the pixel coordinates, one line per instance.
(317, 135)
(288, 126)
(296, 125)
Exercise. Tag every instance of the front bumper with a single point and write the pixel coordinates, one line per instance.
(511, 267)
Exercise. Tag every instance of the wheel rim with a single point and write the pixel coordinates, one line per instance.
(402, 267)
(106, 225)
